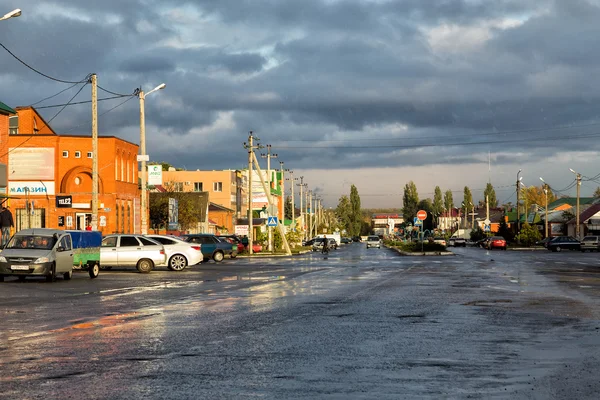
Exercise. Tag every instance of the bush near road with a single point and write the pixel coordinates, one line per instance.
(414, 247)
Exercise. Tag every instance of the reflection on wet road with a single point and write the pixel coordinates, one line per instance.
(359, 324)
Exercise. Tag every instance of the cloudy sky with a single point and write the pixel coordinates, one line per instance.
(373, 93)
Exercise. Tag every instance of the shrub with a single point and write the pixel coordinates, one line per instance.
(529, 235)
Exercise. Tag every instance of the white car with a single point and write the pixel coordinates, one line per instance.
(128, 250)
(180, 254)
(373, 241)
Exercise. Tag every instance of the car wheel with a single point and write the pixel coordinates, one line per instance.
(68, 275)
(218, 256)
(144, 266)
(557, 248)
(94, 270)
(233, 255)
(178, 262)
(52, 276)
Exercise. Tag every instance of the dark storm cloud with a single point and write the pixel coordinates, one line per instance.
(318, 70)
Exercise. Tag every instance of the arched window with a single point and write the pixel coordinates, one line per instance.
(116, 167)
(129, 217)
(122, 218)
(122, 169)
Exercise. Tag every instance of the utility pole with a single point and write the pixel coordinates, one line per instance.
(578, 175)
(546, 211)
(473, 217)
(301, 185)
(268, 156)
(292, 184)
(282, 171)
(270, 202)
(250, 146)
(518, 200)
(94, 80)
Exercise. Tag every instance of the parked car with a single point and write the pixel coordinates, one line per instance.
(544, 241)
(38, 252)
(560, 243)
(179, 253)
(346, 240)
(457, 242)
(496, 242)
(234, 239)
(256, 247)
(308, 242)
(356, 239)
(440, 240)
(591, 243)
(128, 250)
(373, 241)
(212, 247)
(318, 244)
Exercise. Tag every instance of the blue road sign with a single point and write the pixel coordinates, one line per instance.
(486, 228)
(417, 222)
(272, 221)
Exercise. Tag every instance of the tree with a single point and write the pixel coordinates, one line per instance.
(505, 231)
(342, 213)
(467, 203)
(477, 234)
(438, 203)
(426, 205)
(535, 195)
(355, 215)
(490, 193)
(529, 235)
(597, 192)
(288, 208)
(448, 200)
(410, 201)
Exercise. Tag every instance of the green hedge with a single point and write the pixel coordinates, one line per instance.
(415, 247)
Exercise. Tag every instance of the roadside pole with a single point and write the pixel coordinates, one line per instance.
(270, 201)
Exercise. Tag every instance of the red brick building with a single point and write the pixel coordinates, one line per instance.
(50, 177)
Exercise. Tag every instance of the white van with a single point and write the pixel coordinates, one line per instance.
(38, 252)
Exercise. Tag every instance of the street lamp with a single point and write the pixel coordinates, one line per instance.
(578, 175)
(518, 214)
(144, 157)
(12, 14)
(546, 187)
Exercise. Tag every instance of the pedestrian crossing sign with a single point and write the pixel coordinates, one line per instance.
(486, 228)
(272, 221)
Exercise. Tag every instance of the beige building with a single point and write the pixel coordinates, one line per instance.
(225, 188)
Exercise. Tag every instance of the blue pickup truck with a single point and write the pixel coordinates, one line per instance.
(212, 247)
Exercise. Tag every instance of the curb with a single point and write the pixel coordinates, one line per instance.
(269, 255)
(426, 253)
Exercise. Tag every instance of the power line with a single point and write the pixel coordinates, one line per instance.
(135, 92)
(105, 112)
(38, 72)
(46, 123)
(83, 102)
(388, 146)
(54, 95)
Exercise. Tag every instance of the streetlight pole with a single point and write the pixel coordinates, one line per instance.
(578, 175)
(292, 179)
(143, 158)
(546, 187)
(94, 81)
(12, 14)
(282, 171)
(518, 200)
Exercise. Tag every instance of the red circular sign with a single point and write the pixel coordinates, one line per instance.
(422, 215)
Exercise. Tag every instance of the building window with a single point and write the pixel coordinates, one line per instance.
(197, 186)
(117, 171)
(13, 125)
(217, 186)
(65, 154)
(178, 186)
(122, 170)
(89, 154)
(77, 154)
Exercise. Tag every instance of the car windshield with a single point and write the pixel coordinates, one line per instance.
(590, 238)
(35, 242)
(373, 237)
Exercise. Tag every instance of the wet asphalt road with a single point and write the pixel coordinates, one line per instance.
(362, 324)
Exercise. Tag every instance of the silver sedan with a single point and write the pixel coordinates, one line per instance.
(180, 254)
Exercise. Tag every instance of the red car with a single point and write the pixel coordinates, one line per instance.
(496, 242)
(233, 239)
